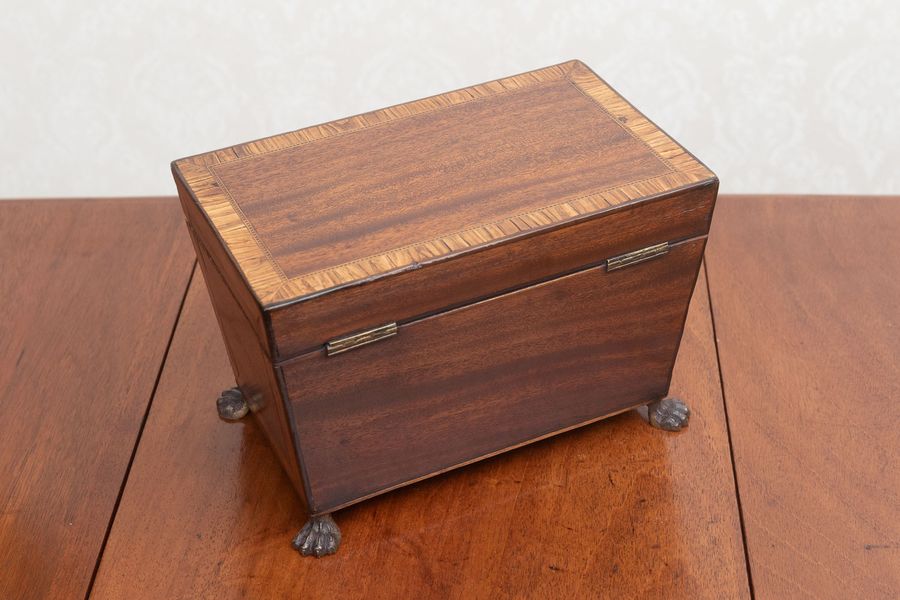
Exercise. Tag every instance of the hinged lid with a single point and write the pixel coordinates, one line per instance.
(310, 212)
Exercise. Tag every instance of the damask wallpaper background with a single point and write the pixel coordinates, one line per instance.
(98, 97)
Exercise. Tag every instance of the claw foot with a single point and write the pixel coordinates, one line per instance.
(320, 536)
(232, 405)
(670, 414)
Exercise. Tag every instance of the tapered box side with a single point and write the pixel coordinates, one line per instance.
(246, 343)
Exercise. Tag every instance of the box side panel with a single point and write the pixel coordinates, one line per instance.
(253, 370)
(462, 385)
(246, 347)
(405, 296)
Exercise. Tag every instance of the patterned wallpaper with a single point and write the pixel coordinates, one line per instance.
(97, 97)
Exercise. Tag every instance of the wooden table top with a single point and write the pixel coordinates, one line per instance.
(117, 479)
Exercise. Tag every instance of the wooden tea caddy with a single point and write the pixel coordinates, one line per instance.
(413, 289)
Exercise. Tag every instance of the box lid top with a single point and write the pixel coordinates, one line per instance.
(314, 210)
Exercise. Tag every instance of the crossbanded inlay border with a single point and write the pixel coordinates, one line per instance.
(272, 286)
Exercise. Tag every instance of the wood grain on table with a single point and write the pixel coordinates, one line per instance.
(804, 294)
(806, 297)
(617, 508)
(90, 292)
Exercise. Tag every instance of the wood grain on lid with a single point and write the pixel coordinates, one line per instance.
(327, 206)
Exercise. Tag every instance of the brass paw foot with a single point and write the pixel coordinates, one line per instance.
(320, 536)
(670, 414)
(232, 405)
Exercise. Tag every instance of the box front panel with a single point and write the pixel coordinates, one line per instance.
(460, 385)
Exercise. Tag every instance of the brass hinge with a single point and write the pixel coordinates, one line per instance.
(349, 342)
(632, 258)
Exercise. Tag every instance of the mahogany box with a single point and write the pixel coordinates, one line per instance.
(413, 289)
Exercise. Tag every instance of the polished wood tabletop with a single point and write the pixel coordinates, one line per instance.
(118, 480)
